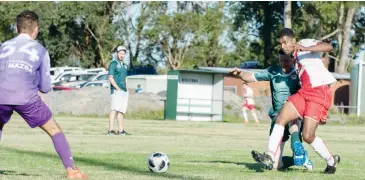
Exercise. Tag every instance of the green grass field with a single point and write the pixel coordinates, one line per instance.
(197, 151)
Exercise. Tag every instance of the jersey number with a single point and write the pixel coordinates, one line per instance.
(9, 48)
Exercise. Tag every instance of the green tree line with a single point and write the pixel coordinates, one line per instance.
(184, 34)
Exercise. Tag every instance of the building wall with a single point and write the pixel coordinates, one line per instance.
(340, 89)
(149, 83)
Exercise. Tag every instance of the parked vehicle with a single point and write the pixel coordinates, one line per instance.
(249, 65)
(100, 77)
(96, 70)
(68, 75)
(62, 88)
(139, 70)
(56, 71)
(74, 80)
(104, 83)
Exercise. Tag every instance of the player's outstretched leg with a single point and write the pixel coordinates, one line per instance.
(309, 128)
(300, 154)
(287, 114)
(63, 149)
(263, 159)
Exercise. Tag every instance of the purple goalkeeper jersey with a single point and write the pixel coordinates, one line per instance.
(24, 70)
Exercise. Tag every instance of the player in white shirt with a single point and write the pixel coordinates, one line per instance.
(311, 103)
(249, 103)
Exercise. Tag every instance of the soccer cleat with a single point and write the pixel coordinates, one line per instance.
(308, 163)
(246, 122)
(75, 174)
(112, 132)
(332, 169)
(263, 159)
(123, 133)
(300, 155)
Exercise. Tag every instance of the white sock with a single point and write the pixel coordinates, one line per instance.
(320, 148)
(275, 139)
(245, 115)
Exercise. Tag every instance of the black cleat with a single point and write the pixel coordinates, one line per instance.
(263, 159)
(123, 133)
(112, 132)
(332, 169)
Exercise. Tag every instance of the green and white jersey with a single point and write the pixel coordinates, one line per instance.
(119, 71)
(282, 85)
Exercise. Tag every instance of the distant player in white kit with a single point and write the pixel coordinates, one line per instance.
(248, 103)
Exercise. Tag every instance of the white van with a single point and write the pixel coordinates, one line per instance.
(95, 70)
(55, 71)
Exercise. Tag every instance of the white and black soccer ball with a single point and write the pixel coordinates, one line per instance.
(158, 162)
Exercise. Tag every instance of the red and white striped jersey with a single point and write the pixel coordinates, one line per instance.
(311, 70)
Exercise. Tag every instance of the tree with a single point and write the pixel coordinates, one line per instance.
(171, 33)
(287, 14)
(266, 18)
(345, 46)
(206, 49)
(75, 33)
(331, 22)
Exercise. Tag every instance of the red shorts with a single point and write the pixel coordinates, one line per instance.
(313, 103)
(249, 106)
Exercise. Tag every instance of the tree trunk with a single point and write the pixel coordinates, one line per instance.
(345, 50)
(287, 14)
(341, 13)
(140, 26)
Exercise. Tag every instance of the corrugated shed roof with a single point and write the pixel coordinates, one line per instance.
(338, 76)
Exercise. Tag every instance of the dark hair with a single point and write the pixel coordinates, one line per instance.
(286, 32)
(26, 21)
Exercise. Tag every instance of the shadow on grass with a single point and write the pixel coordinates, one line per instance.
(251, 166)
(110, 166)
(13, 173)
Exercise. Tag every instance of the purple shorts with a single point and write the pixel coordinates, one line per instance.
(35, 114)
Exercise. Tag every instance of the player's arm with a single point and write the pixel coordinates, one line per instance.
(317, 47)
(44, 85)
(244, 76)
(112, 68)
(263, 75)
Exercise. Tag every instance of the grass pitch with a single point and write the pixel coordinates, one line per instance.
(197, 151)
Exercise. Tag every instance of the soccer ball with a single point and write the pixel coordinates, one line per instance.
(158, 162)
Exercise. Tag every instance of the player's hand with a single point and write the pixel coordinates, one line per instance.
(299, 48)
(236, 71)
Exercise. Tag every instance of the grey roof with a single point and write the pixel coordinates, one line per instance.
(202, 71)
(338, 76)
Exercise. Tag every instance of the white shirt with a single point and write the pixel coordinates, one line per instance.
(311, 70)
(248, 95)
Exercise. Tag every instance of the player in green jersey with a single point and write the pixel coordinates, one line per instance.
(284, 82)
